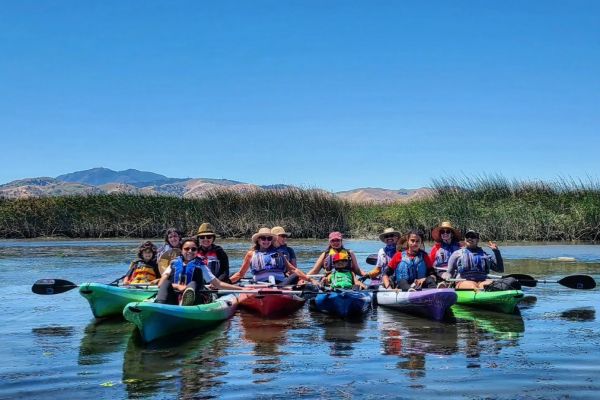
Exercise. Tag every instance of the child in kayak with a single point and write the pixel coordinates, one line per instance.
(340, 275)
(336, 252)
(187, 275)
(170, 250)
(144, 270)
(410, 268)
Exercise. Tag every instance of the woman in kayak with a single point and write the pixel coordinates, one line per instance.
(410, 268)
(390, 238)
(144, 269)
(473, 264)
(280, 242)
(336, 250)
(447, 241)
(170, 250)
(210, 254)
(187, 275)
(267, 264)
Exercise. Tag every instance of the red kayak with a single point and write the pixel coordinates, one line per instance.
(271, 302)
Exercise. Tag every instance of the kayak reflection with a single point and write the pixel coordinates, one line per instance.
(101, 338)
(191, 364)
(501, 326)
(342, 334)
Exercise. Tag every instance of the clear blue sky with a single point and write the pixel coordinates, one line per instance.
(330, 94)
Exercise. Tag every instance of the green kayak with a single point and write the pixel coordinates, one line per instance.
(504, 301)
(109, 300)
(155, 320)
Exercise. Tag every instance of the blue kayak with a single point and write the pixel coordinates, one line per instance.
(345, 303)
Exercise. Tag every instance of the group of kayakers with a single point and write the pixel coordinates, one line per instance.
(184, 266)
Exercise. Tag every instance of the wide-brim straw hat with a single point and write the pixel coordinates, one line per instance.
(279, 230)
(262, 232)
(435, 233)
(387, 231)
(206, 229)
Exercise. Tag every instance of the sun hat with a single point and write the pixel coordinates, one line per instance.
(472, 232)
(388, 231)
(278, 230)
(335, 235)
(435, 232)
(262, 232)
(206, 229)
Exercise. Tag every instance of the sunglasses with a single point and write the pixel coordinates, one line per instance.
(442, 231)
(265, 238)
(388, 236)
(205, 237)
(190, 249)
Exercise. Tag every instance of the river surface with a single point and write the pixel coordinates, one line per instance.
(52, 348)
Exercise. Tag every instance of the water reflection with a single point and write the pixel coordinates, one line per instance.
(341, 334)
(485, 324)
(101, 338)
(183, 366)
(51, 340)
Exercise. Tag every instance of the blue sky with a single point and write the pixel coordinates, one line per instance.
(330, 94)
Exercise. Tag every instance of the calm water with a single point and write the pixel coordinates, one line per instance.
(52, 347)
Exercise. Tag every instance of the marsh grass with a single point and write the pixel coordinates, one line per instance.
(498, 208)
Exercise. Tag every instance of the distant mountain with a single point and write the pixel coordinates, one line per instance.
(132, 181)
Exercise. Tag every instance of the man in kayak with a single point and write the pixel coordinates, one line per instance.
(390, 238)
(410, 268)
(187, 275)
(473, 264)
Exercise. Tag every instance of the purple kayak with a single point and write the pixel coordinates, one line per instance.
(429, 303)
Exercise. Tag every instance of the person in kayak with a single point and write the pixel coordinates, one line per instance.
(280, 243)
(210, 254)
(336, 248)
(473, 264)
(390, 238)
(447, 240)
(144, 269)
(410, 268)
(341, 275)
(170, 250)
(187, 275)
(267, 264)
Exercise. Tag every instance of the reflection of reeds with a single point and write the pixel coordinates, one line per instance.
(499, 208)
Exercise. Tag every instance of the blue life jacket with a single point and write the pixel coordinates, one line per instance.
(444, 253)
(474, 266)
(267, 263)
(183, 274)
(411, 269)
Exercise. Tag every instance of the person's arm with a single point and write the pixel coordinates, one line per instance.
(318, 265)
(452, 265)
(498, 265)
(292, 259)
(243, 269)
(223, 285)
(355, 268)
(299, 272)
(127, 277)
(157, 274)
(165, 276)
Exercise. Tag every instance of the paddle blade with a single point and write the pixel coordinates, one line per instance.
(524, 280)
(372, 259)
(578, 282)
(52, 286)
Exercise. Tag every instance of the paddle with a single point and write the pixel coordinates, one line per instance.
(524, 280)
(372, 259)
(571, 281)
(57, 286)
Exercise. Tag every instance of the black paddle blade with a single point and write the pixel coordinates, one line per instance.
(372, 259)
(524, 280)
(52, 286)
(578, 282)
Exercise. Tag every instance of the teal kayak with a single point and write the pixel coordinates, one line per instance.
(109, 300)
(504, 301)
(155, 320)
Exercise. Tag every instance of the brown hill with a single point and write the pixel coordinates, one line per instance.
(378, 195)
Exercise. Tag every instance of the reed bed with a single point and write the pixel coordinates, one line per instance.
(565, 210)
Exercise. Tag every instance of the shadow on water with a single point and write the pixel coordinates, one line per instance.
(103, 337)
(341, 334)
(183, 366)
(582, 314)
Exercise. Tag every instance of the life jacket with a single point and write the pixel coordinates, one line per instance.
(210, 259)
(267, 263)
(444, 253)
(142, 273)
(332, 255)
(341, 279)
(410, 269)
(183, 274)
(474, 266)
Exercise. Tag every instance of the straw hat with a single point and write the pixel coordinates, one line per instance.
(262, 232)
(435, 233)
(278, 230)
(387, 231)
(206, 229)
